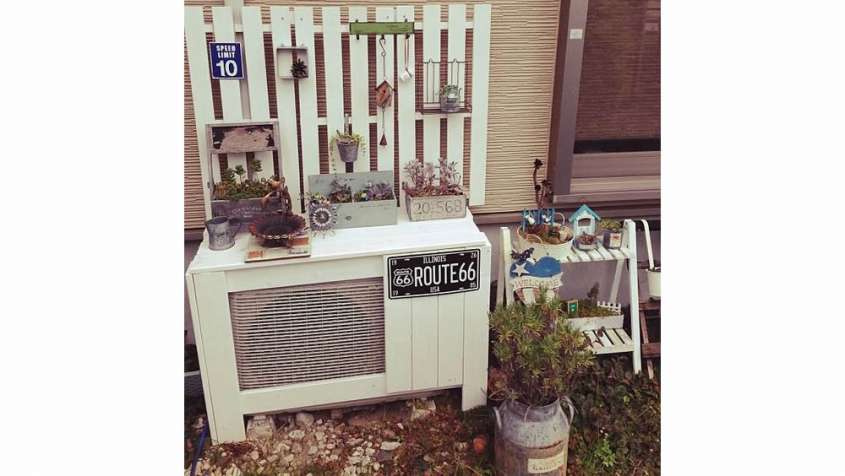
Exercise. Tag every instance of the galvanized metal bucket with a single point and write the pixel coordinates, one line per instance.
(222, 232)
(532, 440)
(348, 151)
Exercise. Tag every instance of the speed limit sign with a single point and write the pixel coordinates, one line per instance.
(226, 60)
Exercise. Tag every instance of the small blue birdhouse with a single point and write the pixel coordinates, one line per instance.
(583, 221)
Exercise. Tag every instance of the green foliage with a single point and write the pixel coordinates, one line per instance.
(611, 225)
(616, 429)
(586, 308)
(538, 352)
(340, 192)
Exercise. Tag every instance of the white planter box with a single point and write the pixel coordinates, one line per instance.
(525, 241)
(594, 323)
(436, 208)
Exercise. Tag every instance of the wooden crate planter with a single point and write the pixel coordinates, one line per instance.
(358, 214)
(436, 207)
(245, 208)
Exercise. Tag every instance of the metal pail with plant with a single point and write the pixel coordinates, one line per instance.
(653, 272)
(347, 145)
(450, 98)
(539, 356)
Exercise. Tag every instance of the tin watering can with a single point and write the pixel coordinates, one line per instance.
(221, 232)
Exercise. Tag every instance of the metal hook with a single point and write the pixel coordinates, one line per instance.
(407, 35)
(357, 36)
(381, 42)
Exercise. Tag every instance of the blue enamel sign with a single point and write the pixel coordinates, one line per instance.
(227, 60)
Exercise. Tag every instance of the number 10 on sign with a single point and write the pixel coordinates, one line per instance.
(226, 60)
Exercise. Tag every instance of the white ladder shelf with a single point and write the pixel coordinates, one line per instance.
(609, 341)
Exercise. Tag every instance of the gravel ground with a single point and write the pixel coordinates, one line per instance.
(422, 436)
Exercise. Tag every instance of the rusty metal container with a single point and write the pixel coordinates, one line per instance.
(532, 440)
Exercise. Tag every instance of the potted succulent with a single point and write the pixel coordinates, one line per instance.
(586, 242)
(427, 200)
(357, 199)
(348, 145)
(238, 196)
(538, 358)
(611, 233)
(450, 98)
(299, 69)
(591, 314)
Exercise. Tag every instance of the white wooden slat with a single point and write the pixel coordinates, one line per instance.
(623, 336)
(431, 51)
(505, 238)
(480, 91)
(281, 19)
(424, 341)
(476, 339)
(616, 254)
(582, 257)
(334, 83)
(384, 69)
(572, 257)
(605, 255)
(595, 342)
(605, 341)
(359, 85)
(405, 89)
(456, 51)
(634, 291)
(259, 103)
(304, 23)
(450, 339)
(612, 337)
(625, 252)
(398, 339)
(220, 369)
(501, 285)
(595, 255)
(230, 89)
(201, 94)
(617, 278)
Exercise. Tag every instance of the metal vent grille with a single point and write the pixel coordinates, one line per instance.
(306, 333)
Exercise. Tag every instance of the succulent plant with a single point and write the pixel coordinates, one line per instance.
(299, 69)
(611, 225)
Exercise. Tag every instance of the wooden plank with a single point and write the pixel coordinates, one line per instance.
(344, 28)
(605, 341)
(230, 89)
(476, 338)
(334, 83)
(612, 337)
(616, 254)
(406, 91)
(595, 342)
(359, 85)
(398, 339)
(605, 255)
(615, 184)
(573, 256)
(431, 80)
(651, 350)
(450, 339)
(304, 22)
(622, 335)
(505, 237)
(220, 370)
(201, 94)
(259, 104)
(594, 255)
(617, 278)
(502, 264)
(480, 92)
(424, 342)
(385, 71)
(634, 296)
(281, 19)
(456, 51)
(582, 256)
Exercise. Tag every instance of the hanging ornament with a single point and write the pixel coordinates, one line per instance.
(384, 91)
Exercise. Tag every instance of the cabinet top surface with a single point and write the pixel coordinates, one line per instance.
(404, 237)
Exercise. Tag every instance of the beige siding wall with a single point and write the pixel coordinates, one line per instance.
(523, 42)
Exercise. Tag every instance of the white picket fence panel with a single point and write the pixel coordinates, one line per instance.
(248, 99)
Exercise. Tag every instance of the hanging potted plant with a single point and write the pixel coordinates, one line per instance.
(611, 233)
(539, 356)
(427, 200)
(348, 145)
(450, 98)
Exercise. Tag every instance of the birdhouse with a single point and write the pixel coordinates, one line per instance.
(583, 221)
(384, 94)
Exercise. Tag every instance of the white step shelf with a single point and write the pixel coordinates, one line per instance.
(604, 340)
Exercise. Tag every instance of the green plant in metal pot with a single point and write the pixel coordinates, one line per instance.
(348, 145)
(539, 356)
(450, 97)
